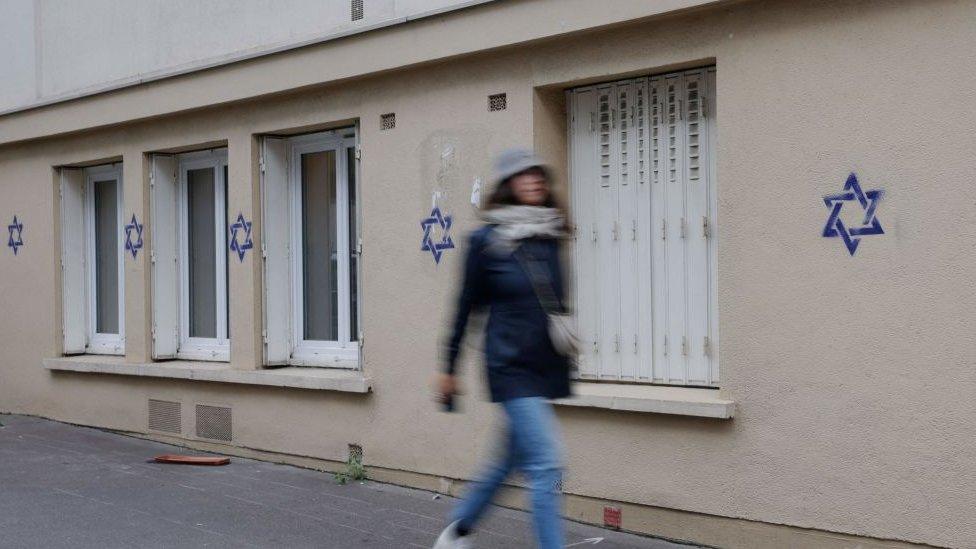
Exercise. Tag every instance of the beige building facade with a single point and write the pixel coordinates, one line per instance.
(832, 403)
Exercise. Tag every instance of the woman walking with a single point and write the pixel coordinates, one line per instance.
(513, 270)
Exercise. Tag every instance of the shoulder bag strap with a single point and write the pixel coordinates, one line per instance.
(541, 283)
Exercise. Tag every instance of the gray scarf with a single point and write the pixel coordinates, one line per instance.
(515, 223)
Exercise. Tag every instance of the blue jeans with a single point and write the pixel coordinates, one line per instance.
(533, 447)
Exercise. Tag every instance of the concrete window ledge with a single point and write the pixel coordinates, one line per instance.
(320, 379)
(682, 401)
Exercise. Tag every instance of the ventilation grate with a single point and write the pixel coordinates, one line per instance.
(388, 121)
(497, 102)
(214, 422)
(357, 10)
(164, 416)
(355, 453)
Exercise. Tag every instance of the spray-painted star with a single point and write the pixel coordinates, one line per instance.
(15, 227)
(869, 203)
(444, 222)
(241, 226)
(133, 227)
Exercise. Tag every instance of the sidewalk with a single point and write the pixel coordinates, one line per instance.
(67, 486)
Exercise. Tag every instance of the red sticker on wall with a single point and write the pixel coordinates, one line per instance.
(611, 517)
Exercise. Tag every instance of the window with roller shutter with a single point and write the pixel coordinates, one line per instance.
(642, 178)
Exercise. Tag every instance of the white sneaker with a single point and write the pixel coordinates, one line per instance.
(449, 539)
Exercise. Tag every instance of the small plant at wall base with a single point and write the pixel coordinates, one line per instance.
(354, 471)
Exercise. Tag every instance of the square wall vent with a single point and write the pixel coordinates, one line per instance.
(165, 416)
(214, 422)
(497, 102)
(356, 453)
(388, 121)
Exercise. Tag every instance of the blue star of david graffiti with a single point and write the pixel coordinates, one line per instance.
(133, 227)
(869, 203)
(15, 227)
(428, 244)
(241, 227)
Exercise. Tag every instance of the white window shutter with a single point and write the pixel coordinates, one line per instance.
(696, 214)
(607, 256)
(73, 260)
(275, 242)
(643, 231)
(585, 152)
(642, 166)
(677, 229)
(659, 229)
(710, 116)
(625, 240)
(164, 255)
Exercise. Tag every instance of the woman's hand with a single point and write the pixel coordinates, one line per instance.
(446, 385)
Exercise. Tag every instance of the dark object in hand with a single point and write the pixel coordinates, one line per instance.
(447, 403)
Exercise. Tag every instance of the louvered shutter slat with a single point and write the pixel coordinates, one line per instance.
(585, 164)
(696, 211)
(675, 243)
(658, 229)
(627, 291)
(607, 257)
(710, 175)
(644, 230)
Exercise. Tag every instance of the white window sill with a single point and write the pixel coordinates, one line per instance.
(317, 379)
(656, 399)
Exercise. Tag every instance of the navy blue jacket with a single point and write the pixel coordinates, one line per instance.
(520, 358)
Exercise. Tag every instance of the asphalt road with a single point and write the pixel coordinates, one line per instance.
(63, 486)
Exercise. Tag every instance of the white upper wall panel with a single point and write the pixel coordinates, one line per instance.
(17, 78)
(63, 48)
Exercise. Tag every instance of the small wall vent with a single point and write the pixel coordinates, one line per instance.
(355, 453)
(388, 121)
(357, 10)
(214, 422)
(165, 416)
(497, 102)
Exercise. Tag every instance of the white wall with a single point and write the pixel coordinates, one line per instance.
(61, 48)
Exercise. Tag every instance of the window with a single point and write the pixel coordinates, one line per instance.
(92, 260)
(203, 256)
(189, 255)
(311, 296)
(642, 164)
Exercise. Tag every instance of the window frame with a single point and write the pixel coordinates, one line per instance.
(203, 348)
(99, 343)
(345, 351)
